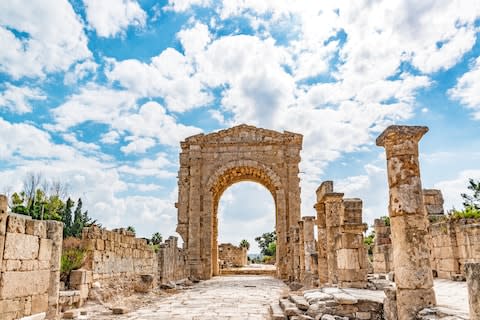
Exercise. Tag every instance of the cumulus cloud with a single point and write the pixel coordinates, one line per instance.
(453, 188)
(184, 5)
(40, 38)
(18, 99)
(112, 17)
(467, 89)
(169, 76)
(137, 145)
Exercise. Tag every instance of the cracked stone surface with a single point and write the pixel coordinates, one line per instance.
(226, 297)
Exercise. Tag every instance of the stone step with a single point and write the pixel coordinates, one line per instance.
(299, 301)
(276, 312)
(289, 308)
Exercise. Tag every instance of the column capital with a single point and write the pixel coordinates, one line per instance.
(395, 134)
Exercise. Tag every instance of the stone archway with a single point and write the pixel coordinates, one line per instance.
(210, 163)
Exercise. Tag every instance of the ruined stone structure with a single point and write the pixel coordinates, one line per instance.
(409, 224)
(382, 249)
(30, 253)
(342, 257)
(117, 260)
(433, 201)
(232, 256)
(472, 271)
(454, 243)
(210, 163)
(171, 262)
(310, 249)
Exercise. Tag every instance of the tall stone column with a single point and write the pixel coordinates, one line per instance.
(472, 271)
(3, 225)
(301, 249)
(325, 187)
(309, 245)
(413, 275)
(333, 210)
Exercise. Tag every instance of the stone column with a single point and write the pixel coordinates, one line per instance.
(409, 225)
(309, 244)
(333, 210)
(3, 225)
(301, 250)
(55, 233)
(325, 187)
(472, 272)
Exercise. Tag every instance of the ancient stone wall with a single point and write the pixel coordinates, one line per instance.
(30, 253)
(171, 262)
(231, 256)
(382, 249)
(455, 243)
(117, 260)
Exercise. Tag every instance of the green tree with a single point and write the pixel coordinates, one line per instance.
(67, 218)
(245, 244)
(131, 229)
(264, 243)
(18, 203)
(80, 220)
(472, 201)
(156, 238)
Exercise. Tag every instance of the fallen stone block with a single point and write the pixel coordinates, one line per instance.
(289, 308)
(71, 314)
(344, 298)
(120, 310)
(38, 316)
(276, 312)
(316, 296)
(299, 301)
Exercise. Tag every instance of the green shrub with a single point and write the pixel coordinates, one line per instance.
(469, 212)
(72, 259)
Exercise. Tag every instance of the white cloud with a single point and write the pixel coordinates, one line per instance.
(137, 145)
(153, 121)
(169, 75)
(52, 38)
(111, 137)
(467, 89)
(18, 99)
(93, 103)
(80, 71)
(195, 39)
(112, 17)
(453, 188)
(184, 5)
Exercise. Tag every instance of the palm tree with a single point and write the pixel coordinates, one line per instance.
(156, 238)
(244, 243)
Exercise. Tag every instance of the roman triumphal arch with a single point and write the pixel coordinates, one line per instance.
(210, 163)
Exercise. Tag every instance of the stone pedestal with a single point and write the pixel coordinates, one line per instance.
(310, 245)
(472, 271)
(409, 224)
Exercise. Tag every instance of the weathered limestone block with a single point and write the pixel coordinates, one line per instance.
(45, 250)
(3, 204)
(39, 303)
(24, 283)
(36, 228)
(433, 200)
(408, 220)
(472, 271)
(16, 224)
(19, 246)
(348, 259)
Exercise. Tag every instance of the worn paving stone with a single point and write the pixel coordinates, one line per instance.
(225, 297)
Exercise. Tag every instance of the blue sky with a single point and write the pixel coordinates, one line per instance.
(100, 93)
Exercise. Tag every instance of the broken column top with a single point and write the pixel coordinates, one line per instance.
(308, 218)
(324, 188)
(399, 133)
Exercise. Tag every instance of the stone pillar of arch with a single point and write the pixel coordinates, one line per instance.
(210, 163)
(323, 189)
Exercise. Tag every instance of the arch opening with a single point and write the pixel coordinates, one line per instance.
(246, 210)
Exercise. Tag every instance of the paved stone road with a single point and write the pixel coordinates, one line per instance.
(226, 297)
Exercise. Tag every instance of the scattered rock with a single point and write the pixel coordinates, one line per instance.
(120, 310)
(71, 314)
(316, 296)
(344, 298)
(168, 285)
(299, 301)
(295, 286)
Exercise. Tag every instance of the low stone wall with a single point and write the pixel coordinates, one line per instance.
(171, 262)
(231, 256)
(30, 253)
(454, 243)
(118, 262)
